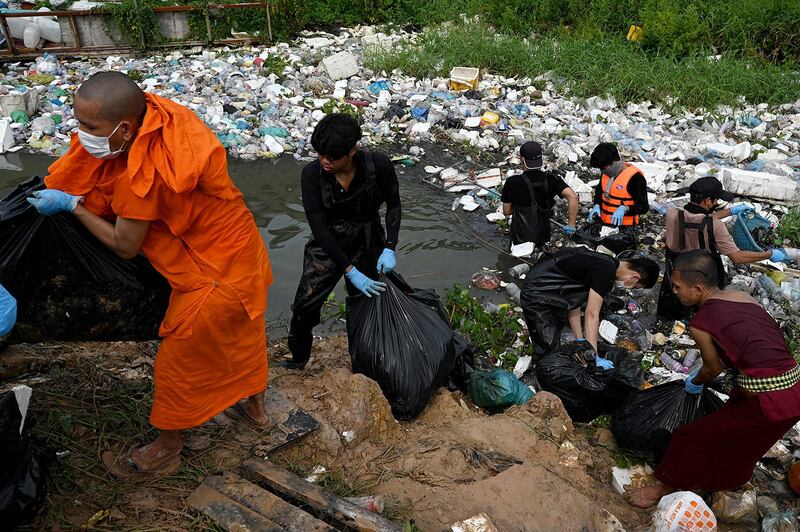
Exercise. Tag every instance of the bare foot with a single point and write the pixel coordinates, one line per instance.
(254, 406)
(163, 449)
(647, 496)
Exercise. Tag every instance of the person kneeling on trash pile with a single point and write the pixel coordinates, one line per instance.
(621, 195)
(8, 311)
(559, 284)
(342, 192)
(145, 174)
(528, 197)
(699, 225)
(719, 451)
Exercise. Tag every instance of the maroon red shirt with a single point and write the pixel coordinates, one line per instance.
(749, 340)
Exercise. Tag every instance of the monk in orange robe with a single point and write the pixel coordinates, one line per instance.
(144, 174)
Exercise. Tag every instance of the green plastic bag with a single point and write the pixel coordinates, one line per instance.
(497, 389)
(20, 117)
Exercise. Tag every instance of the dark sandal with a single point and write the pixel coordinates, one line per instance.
(123, 466)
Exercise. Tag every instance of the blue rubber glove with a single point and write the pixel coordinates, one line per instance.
(604, 363)
(8, 311)
(387, 261)
(780, 255)
(619, 215)
(594, 212)
(568, 230)
(365, 285)
(50, 201)
(742, 208)
(691, 387)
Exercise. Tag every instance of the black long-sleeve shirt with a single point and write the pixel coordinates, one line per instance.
(637, 188)
(319, 216)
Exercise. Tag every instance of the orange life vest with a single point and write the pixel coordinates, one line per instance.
(615, 193)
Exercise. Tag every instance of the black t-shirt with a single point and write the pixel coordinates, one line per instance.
(596, 270)
(318, 215)
(515, 190)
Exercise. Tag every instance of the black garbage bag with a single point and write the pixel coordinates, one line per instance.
(402, 341)
(24, 467)
(68, 285)
(644, 424)
(586, 390)
(589, 234)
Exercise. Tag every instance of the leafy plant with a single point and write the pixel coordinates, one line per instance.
(491, 333)
(135, 20)
(789, 227)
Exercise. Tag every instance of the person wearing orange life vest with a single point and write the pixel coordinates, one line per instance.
(621, 195)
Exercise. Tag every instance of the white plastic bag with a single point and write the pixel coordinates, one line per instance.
(683, 511)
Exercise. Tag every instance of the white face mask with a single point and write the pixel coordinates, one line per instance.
(622, 284)
(99, 147)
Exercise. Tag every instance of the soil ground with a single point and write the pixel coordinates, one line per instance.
(528, 468)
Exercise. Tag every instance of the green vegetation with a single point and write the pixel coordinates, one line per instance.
(789, 227)
(765, 29)
(490, 333)
(588, 66)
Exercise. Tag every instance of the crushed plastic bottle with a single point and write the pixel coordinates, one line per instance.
(671, 363)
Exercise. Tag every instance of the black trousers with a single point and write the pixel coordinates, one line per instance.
(319, 278)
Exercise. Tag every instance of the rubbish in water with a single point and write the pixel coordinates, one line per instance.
(486, 280)
(523, 250)
(497, 389)
(513, 292)
(403, 341)
(682, 511)
(519, 270)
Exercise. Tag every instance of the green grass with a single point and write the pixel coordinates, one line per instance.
(588, 67)
(766, 29)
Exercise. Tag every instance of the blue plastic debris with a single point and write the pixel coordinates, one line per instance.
(420, 113)
(377, 86)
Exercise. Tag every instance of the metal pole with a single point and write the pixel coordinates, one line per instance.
(269, 23)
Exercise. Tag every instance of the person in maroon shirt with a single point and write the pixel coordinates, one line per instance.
(720, 451)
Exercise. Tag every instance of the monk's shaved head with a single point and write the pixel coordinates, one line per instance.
(116, 96)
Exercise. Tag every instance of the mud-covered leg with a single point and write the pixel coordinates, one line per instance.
(319, 278)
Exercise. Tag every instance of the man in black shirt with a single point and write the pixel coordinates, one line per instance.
(559, 284)
(530, 220)
(342, 192)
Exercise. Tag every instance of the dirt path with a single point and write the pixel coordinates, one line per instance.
(528, 469)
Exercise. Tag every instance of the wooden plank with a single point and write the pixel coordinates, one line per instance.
(290, 423)
(228, 514)
(344, 512)
(265, 503)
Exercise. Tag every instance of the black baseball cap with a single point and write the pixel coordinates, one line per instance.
(531, 153)
(710, 187)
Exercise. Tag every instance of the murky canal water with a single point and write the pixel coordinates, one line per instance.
(435, 251)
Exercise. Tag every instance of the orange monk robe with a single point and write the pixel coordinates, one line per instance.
(204, 241)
